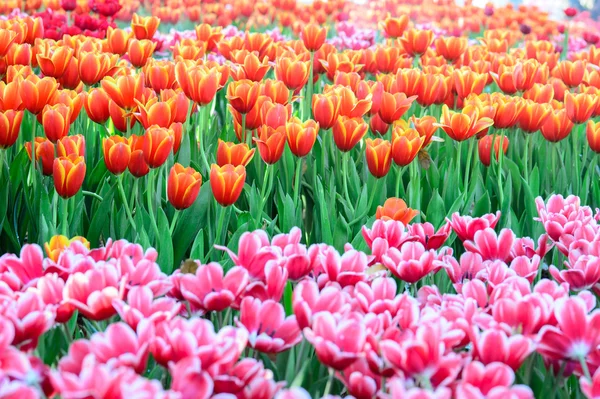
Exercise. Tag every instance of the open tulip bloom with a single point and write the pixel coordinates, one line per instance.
(277, 199)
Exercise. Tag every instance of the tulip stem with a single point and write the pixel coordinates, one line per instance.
(125, 202)
(297, 179)
(576, 160)
(345, 161)
(399, 181)
(245, 137)
(174, 222)
(468, 165)
(499, 177)
(264, 192)
(149, 191)
(309, 88)
(329, 382)
(221, 211)
(33, 153)
(92, 194)
(55, 211)
(203, 119)
(584, 368)
(65, 217)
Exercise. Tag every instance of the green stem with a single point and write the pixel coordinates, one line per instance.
(468, 165)
(345, 161)
(309, 88)
(297, 179)
(499, 177)
(299, 356)
(149, 191)
(264, 193)
(245, 136)
(125, 202)
(374, 191)
(576, 160)
(199, 127)
(221, 212)
(329, 382)
(399, 180)
(525, 155)
(64, 230)
(584, 367)
(92, 194)
(174, 222)
(553, 172)
(55, 211)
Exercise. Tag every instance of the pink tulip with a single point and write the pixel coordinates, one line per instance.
(561, 216)
(190, 379)
(465, 227)
(582, 274)
(30, 318)
(470, 267)
(144, 271)
(120, 346)
(492, 381)
(27, 266)
(270, 287)
(412, 263)
(141, 305)
(426, 234)
(254, 251)
(247, 379)
(307, 301)
(345, 270)
(50, 288)
(494, 345)
(491, 246)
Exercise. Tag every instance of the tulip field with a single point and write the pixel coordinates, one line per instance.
(261, 199)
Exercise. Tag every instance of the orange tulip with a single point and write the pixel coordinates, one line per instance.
(234, 154)
(557, 127)
(433, 89)
(137, 163)
(182, 103)
(580, 107)
(96, 105)
(154, 112)
(44, 150)
(68, 173)
(227, 183)
(394, 27)
(71, 79)
(592, 132)
(117, 154)
(292, 71)
(192, 52)
(34, 28)
(93, 67)
(426, 126)
(183, 186)
(313, 36)
(54, 62)
(484, 148)
(259, 42)
(408, 81)
(571, 72)
(124, 90)
(274, 115)
(211, 36)
(71, 145)
(451, 47)
(10, 126)
(117, 40)
(158, 144)
(160, 75)
(56, 120)
(351, 106)
(467, 82)
(415, 41)
(396, 209)
(347, 132)
(10, 97)
(139, 51)
(326, 108)
(533, 116)
(58, 243)
(343, 62)
(507, 112)
(393, 106)
(377, 125)
(19, 54)
(144, 27)
(301, 136)
(120, 117)
(199, 83)
(242, 95)
(36, 93)
(406, 144)
(275, 90)
(462, 126)
(249, 66)
(7, 38)
(270, 143)
(540, 93)
(71, 99)
(388, 59)
(379, 156)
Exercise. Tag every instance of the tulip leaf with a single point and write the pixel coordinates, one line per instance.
(165, 244)
(534, 181)
(197, 251)
(515, 174)
(436, 210)
(341, 233)
(483, 205)
(323, 220)
(98, 223)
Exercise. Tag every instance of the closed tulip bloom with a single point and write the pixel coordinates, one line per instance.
(96, 105)
(70, 79)
(154, 112)
(326, 109)
(139, 51)
(416, 41)
(571, 73)
(301, 136)
(377, 125)
(68, 173)
(144, 27)
(227, 183)
(426, 126)
(484, 147)
(347, 132)
(393, 106)
(468, 82)
(379, 156)
(44, 150)
(183, 186)
(10, 97)
(275, 90)
(540, 93)
(242, 95)
(434, 88)
(350, 105)
(124, 90)
(234, 154)
(160, 75)
(592, 132)
(313, 36)
(580, 107)
(71, 99)
(292, 71)
(189, 51)
(199, 83)
(182, 103)
(451, 47)
(71, 145)
(158, 144)
(10, 125)
(274, 115)
(19, 54)
(93, 67)
(7, 38)
(406, 144)
(395, 27)
(557, 127)
(54, 62)
(270, 143)
(117, 154)
(462, 126)
(507, 113)
(36, 93)
(137, 163)
(56, 120)
(533, 116)
(117, 40)
(249, 65)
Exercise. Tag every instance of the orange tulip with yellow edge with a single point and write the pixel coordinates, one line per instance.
(93, 67)
(395, 27)
(227, 183)
(158, 144)
(533, 115)
(378, 153)
(451, 47)
(416, 41)
(54, 61)
(406, 144)
(313, 36)
(144, 27)
(160, 75)
(347, 132)
(183, 186)
(10, 97)
(117, 154)
(44, 150)
(139, 51)
(461, 126)
(124, 90)
(580, 107)
(393, 106)
(270, 143)
(426, 126)
(56, 120)
(36, 93)
(249, 66)
(71, 145)
(68, 173)
(58, 243)
(557, 127)
(96, 105)
(301, 135)
(234, 154)
(154, 112)
(7, 38)
(10, 126)
(571, 73)
(199, 83)
(117, 40)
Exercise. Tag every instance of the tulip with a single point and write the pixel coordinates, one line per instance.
(378, 126)
(124, 90)
(533, 116)
(484, 146)
(154, 112)
(117, 154)
(139, 51)
(467, 82)
(158, 144)
(10, 98)
(416, 42)
(275, 90)
(10, 126)
(462, 126)
(58, 243)
(117, 40)
(121, 119)
(572, 73)
(227, 183)
(71, 99)
(396, 209)
(199, 83)
(144, 27)
(7, 38)
(68, 173)
(313, 36)
(93, 67)
(393, 106)
(353, 107)
(301, 136)
(394, 27)
(56, 120)
(326, 108)
(379, 156)
(580, 107)
(406, 144)
(592, 131)
(191, 51)
(426, 126)
(19, 54)
(451, 48)
(54, 62)
(36, 93)
(160, 75)
(234, 154)
(292, 71)
(270, 143)
(183, 186)
(137, 163)
(557, 127)
(347, 132)
(250, 66)
(96, 106)
(44, 150)
(71, 145)
(242, 95)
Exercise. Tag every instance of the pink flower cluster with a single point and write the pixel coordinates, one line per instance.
(375, 318)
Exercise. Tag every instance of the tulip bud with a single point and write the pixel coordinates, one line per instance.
(158, 144)
(10, 126)
(301, 136)
(137, 164)
(234, 154)
(117, 154)
(183, 186)
(379, 156)
(44, 150)
(484, 147)
(347, 132)
(227, 183)
(68, 173)
(56, 120)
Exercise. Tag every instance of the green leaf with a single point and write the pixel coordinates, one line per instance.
(341, 233)
(436, 211)
(165, 244)
(483, 205)
(98, 224)
(326, 235)
(197, 251)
